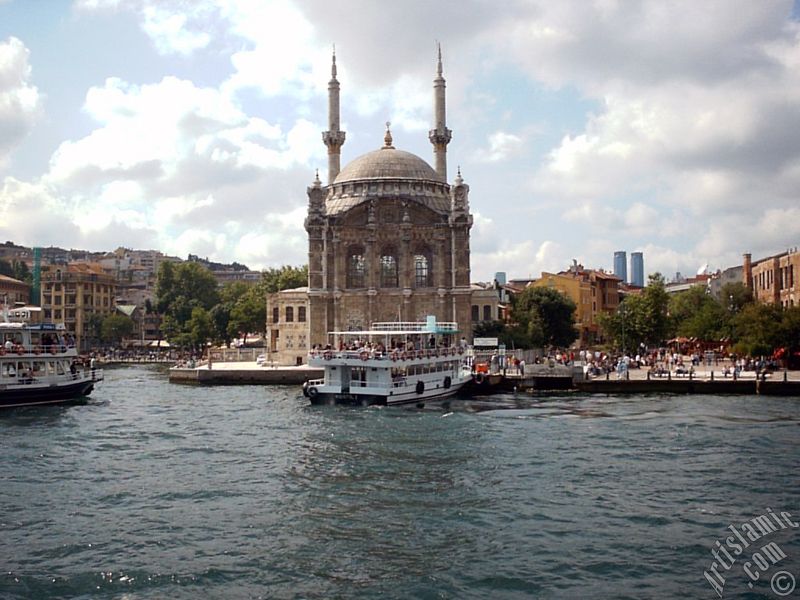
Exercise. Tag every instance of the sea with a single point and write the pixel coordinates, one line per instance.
(157, 490)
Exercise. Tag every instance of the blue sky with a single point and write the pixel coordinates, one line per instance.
(581, 127)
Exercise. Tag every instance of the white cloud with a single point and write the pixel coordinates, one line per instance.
(501, 145)
(19, 99)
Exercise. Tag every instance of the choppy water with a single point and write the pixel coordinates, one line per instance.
(154, 490)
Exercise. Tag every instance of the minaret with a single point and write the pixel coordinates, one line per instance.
(440, 135)
(333, 138)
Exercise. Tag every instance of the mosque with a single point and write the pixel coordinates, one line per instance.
(388, 240)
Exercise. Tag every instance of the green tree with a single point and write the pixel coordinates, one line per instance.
(758, 329)
(641, 319)
(694, 313)
(200, 327)
(285, 278)
(788, 336)
(116, 327)
(544, 317)
(180, 289)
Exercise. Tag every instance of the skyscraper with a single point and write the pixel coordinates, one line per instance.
(620, 265)
(637, 269)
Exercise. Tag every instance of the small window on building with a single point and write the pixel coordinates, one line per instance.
(476, 315)
(301, 314)
(276, 314)
(289, 314)
(487, 312)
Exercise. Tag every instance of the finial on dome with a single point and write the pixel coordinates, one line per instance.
(317, 182)
(387, 139)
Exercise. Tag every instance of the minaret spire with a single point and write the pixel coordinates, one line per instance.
(333, 138)
(440, 135)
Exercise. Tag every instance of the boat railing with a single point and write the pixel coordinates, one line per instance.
(415, 326)
(397, 355)
(22, 350)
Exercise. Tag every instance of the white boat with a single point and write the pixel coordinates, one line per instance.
(391, 363)
(38, 364)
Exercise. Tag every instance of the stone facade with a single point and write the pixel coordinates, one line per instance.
(773, 280)
(388, 240)
(287, 327)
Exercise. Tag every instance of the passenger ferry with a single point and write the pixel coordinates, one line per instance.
(38, 363)
(391, 363)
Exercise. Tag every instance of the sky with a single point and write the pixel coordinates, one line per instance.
(581, 127)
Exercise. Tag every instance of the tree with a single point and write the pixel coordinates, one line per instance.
(544, 317)
(116, 327)
(758, 329)
(694, 313)
(200, 327)
(180, 289)
(641, 319)
(285, 278)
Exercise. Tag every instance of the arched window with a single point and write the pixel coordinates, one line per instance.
(356, 267)
(275, 314)
(476, 313)
(487, 312)
(388, 268)
(423, 275)
(289, 314)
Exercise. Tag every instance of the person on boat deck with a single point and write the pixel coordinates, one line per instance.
(73, 370)
(9, 344)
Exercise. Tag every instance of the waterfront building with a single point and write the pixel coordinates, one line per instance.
(287, 326)
(620, 265)
(637, 269)
(388, 236)
(594, 292)
(79, 295)
(13, 291)
(486, 302)
(773, 280)
(722, 278)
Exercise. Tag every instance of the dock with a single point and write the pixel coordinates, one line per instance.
(243, 373)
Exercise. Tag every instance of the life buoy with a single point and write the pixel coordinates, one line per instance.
(447, 382)
(312, 392)
(420, 387)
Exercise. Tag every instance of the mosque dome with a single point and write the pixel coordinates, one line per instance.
(387, 163)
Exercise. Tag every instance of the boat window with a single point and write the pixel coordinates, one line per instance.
(60, 368)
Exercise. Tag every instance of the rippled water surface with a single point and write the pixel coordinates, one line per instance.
(154, 490)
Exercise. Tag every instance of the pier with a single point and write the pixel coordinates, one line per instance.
(243, 373)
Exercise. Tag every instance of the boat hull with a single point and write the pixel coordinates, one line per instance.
(33, 395)
(395, 399)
